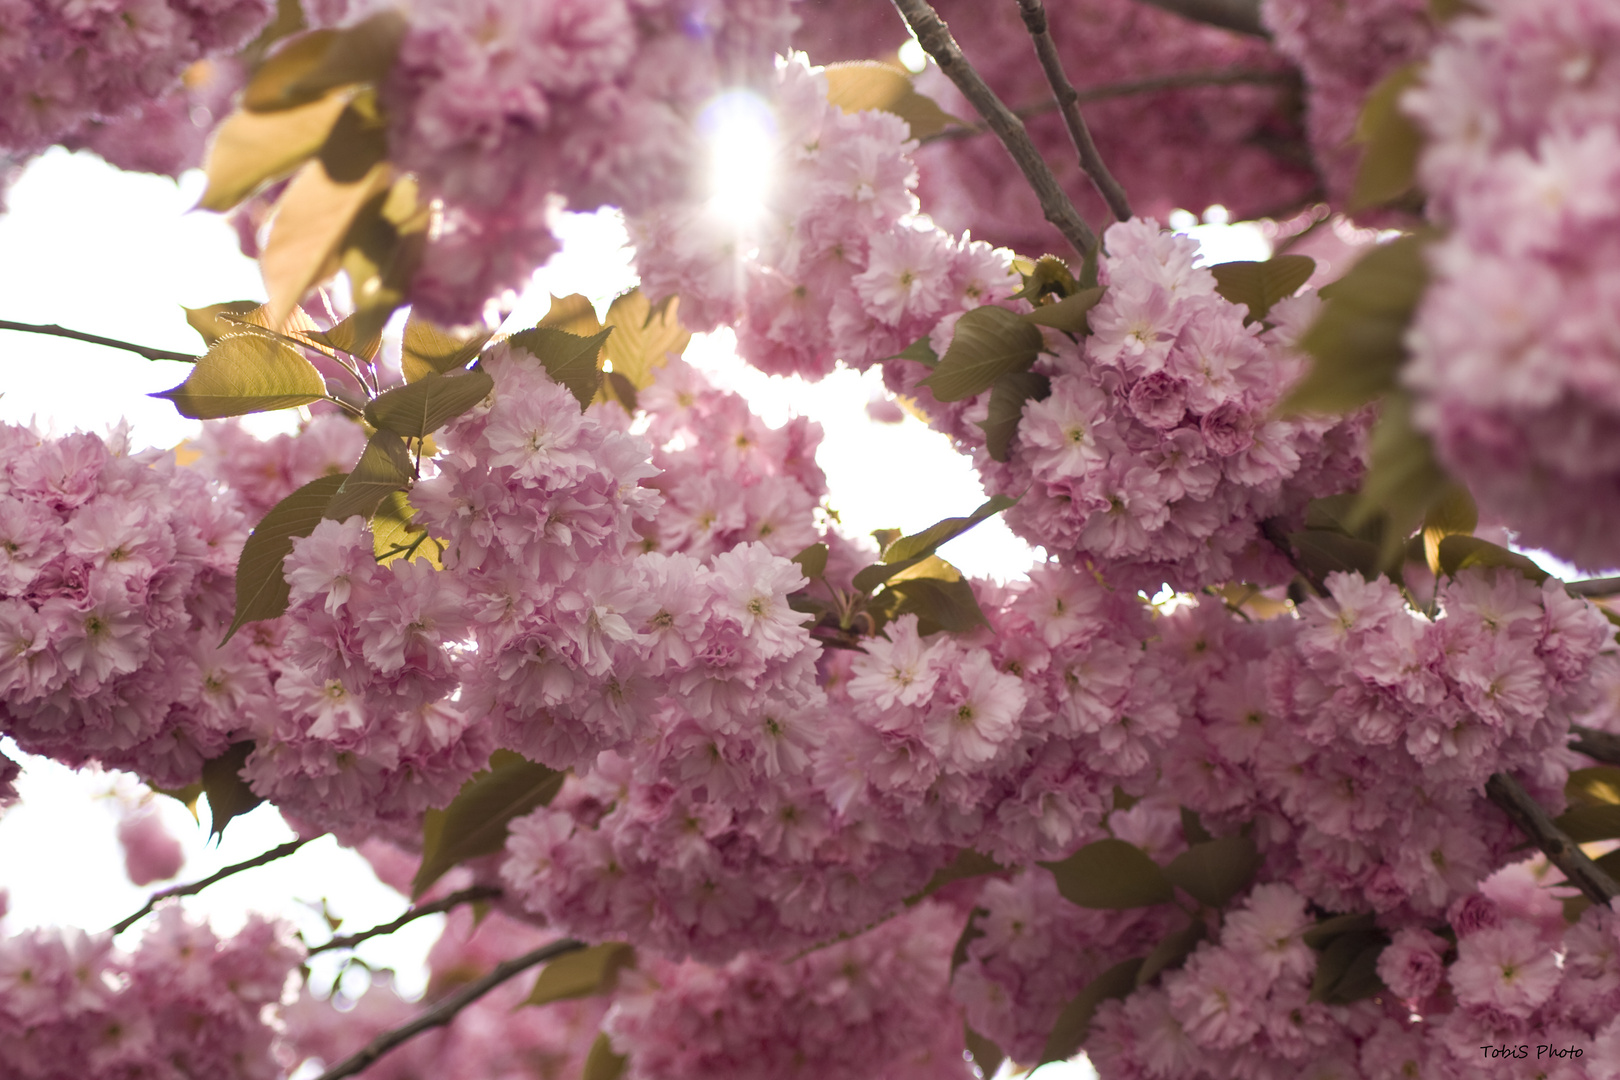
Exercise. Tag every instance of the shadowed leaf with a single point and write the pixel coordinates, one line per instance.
(812, 560)
(1391, 142)
(476, 821)
(967, 864)
(987, 1056)
(581, 974)
(570, 360)
(906, 551)
(228, 794)
(939, 605)
(1458, 553)
(1323, 933)
(186, 796)
(1452, 514)
(1403, 477)
(309, 66)
(1111, 874)
(384, 468)
(261, 588)
(1045, 276)
(1215, 871)
(1074, 1022)
(1071, 314)
(416, 409)
(1259, 285)
(1596, 786)
(989, 342)
(1007, 397)
(602, 1063)
(1169, 953)
(868, 84)
(246, 372)
(428, 349)
(312, 221)
(1347, 970)
(1585, 824)
(1322, 553)
(919, 351)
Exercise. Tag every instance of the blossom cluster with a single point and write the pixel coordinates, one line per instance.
(186, 1003)
(506, 110)
(1514, 349)
(1157, 453)
(115, 589)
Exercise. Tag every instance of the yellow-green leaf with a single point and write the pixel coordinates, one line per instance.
(601, 1063)
(1074, 1022)
(381, 252)
(1111, 874)
(989, 342)
(1215, 871)
(207, 322)
(228, 794)
(1458, 553)
(1585, 824)
(573, 313)
(270, 88)
(570, 360)
(1452, 514)
(384, 468)
(1169, 953)
(307, 236)
(246, 372)
(393, 536)
(343, 337)
(1259, 285)
(1007, 397)
(186, 796)
(1391, 142)
(868, 84)
(476, 821)
(643, 337)
(1046, 276)
(429, 349)
(251, 149)
(261, 588)
(583, 973)
(907, 551)
(1597, 786)
(424, 406)
(1070, 314)
(311, 65)
(359, 140)
(940, 605)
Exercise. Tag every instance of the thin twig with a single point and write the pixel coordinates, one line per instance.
(1601, 586)
(465, 896)
(1068, 100)
(935, 38)
(446, 1010)
(1598, 745)
(1181, 80)
(1242, 16)
(198, 886)
(1560, 850)
(52, 330)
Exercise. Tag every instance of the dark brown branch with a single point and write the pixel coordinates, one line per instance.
(1181, 80)
(198, 886)
(454, 900)
(446, 1010)
(1068, 101)
(1602, 586)
(935, 38)
(52, 330)
(1560, 850)
(1242, 16)
(1598, 745)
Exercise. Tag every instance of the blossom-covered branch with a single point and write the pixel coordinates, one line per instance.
(1560, 850)
(53, 330)
(446, 1010)
(454, 900)
(1243, 16)
(1068, 101)
(935, 38)
(195, 887)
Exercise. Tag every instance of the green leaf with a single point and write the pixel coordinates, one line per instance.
(269, 88)
(1259, 285)
(246, 372)
(1046, 276)
(1071, 314)
(1392, 142)
(813, 560)
(989, 342)
(228, 794)
(431, 350)
(908, 551)
(1403, 477)
(1111, 874)
(938, 605)
(1325, 932)
(251, 149)
(868, 84)
(1347, 970)
(393, 536)
(1074, 1022)
(1192, 827)
(1215, 871)
(424, 406)
(602, 1063)
(1585, 824)
(381, 251)
(570, 360)
(987, 1056)
(384, 468)
(1357, 343)
(358, 142)
(1443, 11)
(584, 973)
(1458, 553)
(1322, 553)
(1169, 953)
(1007, 397)
(207, 322)
(310, 66)
(1596, 786)
(476, 821)
(261, 588)
(919, 351)
(1453, 513)
(344, 338)
(643, 338)
(967, 864)
(313, 220)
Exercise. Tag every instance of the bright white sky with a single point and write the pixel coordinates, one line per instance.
(117, 254)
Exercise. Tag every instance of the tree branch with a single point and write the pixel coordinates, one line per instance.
(53, 330)
(935, 38)
(1602, 586)
(1598, 745)
(198, 886)
(465, 896)
(1068, 102)
(1241, 16)
(1560, 850)
(446, 1010)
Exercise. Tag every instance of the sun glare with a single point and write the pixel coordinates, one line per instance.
(741, 133)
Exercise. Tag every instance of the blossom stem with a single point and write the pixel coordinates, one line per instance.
(1241, 16)
(1601, 746)
(454, 900)
(1560, 850)
(1068, 100)
(52, 330)
(198, 886)
(446, 1010)
(935, 38)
